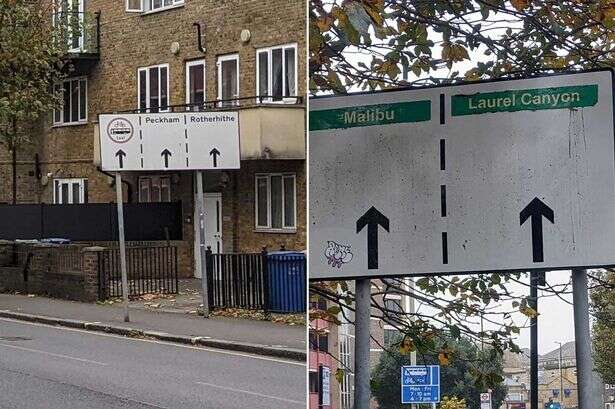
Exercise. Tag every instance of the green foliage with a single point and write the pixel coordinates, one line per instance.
(30, 61)
(453, 403)
(441, 41)
(603, 330)
(470, 372)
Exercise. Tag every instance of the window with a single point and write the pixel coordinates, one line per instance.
(195, 84)
(275, 201)
(74, 102)
(153, 88)
(151, 5)
(154, 189)
(391, 336)
(70, 191)
(393, 305)
(319, 341)
(276, 73)
(228, 80)
(70, 14)
(314, 382)
(318, 303)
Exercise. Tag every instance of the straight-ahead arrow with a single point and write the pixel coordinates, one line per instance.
(120, 154)
(166, 153)
(536, 209)
(372, 219)
(215, 153)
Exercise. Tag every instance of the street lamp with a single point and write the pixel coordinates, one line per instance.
(561, 377)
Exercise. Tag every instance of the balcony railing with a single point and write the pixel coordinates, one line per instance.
(223, 105)
(80, 38)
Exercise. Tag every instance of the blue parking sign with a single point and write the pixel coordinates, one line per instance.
(420, 384)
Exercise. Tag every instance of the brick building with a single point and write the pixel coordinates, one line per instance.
(146, 55)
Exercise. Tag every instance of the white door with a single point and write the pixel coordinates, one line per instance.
(213, 227)
(213, 221)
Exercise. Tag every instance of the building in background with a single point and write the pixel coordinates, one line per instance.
(146, 56)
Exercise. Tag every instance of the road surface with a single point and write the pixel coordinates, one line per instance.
(48, 367)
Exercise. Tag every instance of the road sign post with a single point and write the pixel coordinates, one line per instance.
(170, 142)
(362, 344)
(201, 210)
(120, 228)
(582, 339)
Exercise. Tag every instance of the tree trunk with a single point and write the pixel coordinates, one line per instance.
(14, 162)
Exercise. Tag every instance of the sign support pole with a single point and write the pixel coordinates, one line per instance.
(582, 338)
(362, 342)
(120, 227)
(412, 310)
(201, 210)
(534, 277)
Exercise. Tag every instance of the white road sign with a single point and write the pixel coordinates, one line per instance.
(489, 176)
(485, 401)
(169, 141)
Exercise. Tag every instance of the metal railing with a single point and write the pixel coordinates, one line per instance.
(151, 270)
(260, 281)
(221, 105)
(79, 31)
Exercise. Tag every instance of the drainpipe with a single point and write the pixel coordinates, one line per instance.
(128, 185)
(200, 41)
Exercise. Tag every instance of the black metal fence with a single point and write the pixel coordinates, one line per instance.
(151, 269)
(91, 222)
(270, 282)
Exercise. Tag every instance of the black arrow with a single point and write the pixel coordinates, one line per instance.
(166, 153)
(372, 219)
(120, 154)
(537, 210)
(215, 152)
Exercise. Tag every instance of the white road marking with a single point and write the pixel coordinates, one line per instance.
(226, 388)
(54, 355)
(102, 334)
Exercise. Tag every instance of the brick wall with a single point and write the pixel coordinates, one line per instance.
(66, 272)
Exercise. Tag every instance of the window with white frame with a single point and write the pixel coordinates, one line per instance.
(276, 201)
(276, 73)
(153, 88)
(195, 84)
(70, 191)
(154, 189)
(228, 79)
(74, 107)
(150, 5)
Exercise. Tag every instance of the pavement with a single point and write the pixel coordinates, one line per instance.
(263, 337)
(49, 367)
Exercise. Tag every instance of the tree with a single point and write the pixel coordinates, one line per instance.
(603, 331)
(457, 378)
(31, 50)
(369, 44)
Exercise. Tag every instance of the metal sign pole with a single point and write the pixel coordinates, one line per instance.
(201, 211)
(120, 227)
(534, 277)
(412, 310)
(362, 341)
(582, 338)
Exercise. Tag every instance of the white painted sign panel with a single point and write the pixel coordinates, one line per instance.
(485, 401)
(169, 141)
(490, 176)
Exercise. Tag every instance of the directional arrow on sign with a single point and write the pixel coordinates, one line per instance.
(120, 155)
(215, 153)
(372, 219)
(536, 210)
(166, 153)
